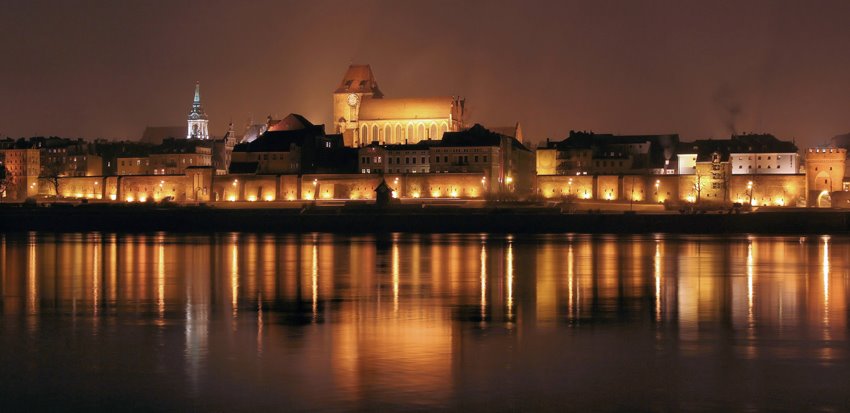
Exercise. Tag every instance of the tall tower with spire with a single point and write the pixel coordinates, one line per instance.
(197, 123)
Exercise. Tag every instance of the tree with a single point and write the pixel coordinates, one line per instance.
(3, 175)
(50, 174)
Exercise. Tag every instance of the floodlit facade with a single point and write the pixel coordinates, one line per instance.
(198, 123)
(363, 115)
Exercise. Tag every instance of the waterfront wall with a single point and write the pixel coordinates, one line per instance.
(202, 186)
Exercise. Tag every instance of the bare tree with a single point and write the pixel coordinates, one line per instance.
(4, 184)
(50, 174)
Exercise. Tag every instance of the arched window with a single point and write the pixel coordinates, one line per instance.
(374, 133)
(388, 134)
(409, 132)
(433, 132)
(399, 138)
(420, 132)
(364, 134)
(443, 129)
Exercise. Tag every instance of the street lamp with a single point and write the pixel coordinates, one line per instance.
(657, 184)
(570, 182)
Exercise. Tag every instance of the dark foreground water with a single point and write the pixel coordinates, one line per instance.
(423, 322)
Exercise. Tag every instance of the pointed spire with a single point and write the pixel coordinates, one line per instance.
(197, 100)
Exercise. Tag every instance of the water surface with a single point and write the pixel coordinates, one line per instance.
(326, 322)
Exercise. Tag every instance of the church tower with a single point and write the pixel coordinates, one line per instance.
(357, 84)
(197, 122)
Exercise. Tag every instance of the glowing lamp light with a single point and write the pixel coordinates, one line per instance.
(78, 195)
(308, 196)
(509, 179)
(435, 194)
(754, 203)
(232, 198)
(780, 201)
(326, 195)
(415, 194)
(395, 194)
(130, 199)
(691, 198)
(143, 198)
(113, 197)
(290, 197)
(586, 195)
(252, 198)
(454, 193)
(269, 198)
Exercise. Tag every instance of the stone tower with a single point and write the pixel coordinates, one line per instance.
(198, 124)
(824, 174)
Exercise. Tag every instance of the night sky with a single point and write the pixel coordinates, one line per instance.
(701, 69)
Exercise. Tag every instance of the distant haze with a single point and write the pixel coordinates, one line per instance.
(700, 69)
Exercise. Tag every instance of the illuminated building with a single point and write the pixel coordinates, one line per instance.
(748, 154)
(363, 115)
(505, 162)
(136, 165)
(197, 124)
(175, 155)
(397, 158)
(825, 169)
(22, 166)
(588, 153)
(294, 145)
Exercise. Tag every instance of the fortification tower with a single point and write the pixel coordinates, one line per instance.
(824, 174)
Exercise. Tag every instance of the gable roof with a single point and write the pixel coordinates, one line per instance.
(293, 121)
(359, 79)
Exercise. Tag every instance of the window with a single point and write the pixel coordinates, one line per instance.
(423, 159)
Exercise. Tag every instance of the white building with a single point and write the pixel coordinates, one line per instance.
(748, 155)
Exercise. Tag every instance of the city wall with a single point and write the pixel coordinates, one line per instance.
(773, 190)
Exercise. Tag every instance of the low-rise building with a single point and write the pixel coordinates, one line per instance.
(588, 153)
(22, 167)
(751, 154)
(398, 159)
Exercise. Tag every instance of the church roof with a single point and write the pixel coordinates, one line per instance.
(296, 130)
(406, 108)
(154, 135)
(359, 79)
(293, 121)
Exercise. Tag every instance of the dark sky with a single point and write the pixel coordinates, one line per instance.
(109, 68)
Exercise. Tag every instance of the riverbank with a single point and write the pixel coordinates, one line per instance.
(408, 218)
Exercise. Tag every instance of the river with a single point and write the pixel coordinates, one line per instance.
(407, 322)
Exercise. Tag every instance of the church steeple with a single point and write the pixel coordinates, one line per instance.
(197, 123)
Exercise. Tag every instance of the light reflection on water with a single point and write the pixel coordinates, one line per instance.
(422, 322)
